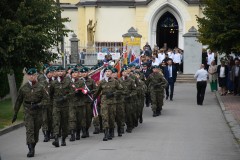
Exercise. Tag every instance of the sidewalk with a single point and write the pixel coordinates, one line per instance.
(231, 108)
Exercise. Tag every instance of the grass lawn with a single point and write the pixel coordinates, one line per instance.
(6, 113)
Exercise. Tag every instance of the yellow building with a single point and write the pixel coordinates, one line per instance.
(158, 21)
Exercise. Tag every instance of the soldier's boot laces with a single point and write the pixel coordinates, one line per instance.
(31, 150)
(119, 132)
(56, 141)
(105, 138)
(72, 138)
(63, 141)
(46, 138)
(78, 134)
(96, 130)
(84, 133)
(154, 114)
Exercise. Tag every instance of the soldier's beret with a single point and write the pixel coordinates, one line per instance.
(144, 64)
(74, 70)
(155, 66)
(108, 68)
(60, 68)
(114, 70)
(45, 66)
(31, 71)
(84, 70)
(50, 69)
(123, 69)
(79, 65)
(137, 67)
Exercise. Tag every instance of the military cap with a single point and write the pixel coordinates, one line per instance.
(114, 70)
(155, 66)
(108, 68)
(144, 64)
(31, 71)
(137, 67)
(50, 69)
(74, 70)
(45, 66)
(79, 65)
(84, 70)
(60, 68)
(123, 69)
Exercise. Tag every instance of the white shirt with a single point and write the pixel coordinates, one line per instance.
(161, 57)
(201, 75)
(156, 63)
(222, 72)
(210, 58)
(236, 71)
(170, 55)
(170, 71)
(177, 58)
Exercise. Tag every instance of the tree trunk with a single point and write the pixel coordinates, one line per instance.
(13, 87)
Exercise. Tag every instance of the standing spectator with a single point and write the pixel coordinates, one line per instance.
(235, 77)
(212, 70)
(222, 71)
(210, 57)
(201, 76)
(204, 58)
(82, 56)
(170, 74)
(230, 85)
(147, 46)
(170, 53)
(177, 58)
(161, 55)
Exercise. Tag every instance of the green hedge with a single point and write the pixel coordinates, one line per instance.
(4, 81)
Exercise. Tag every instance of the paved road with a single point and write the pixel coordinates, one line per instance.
(185, 131)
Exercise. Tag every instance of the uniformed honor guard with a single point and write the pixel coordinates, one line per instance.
(108, 87)
(157, 83)
(31, 95)
(59, 91)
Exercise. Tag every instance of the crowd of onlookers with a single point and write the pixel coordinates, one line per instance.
(226, 74)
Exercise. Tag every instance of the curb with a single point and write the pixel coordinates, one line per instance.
(11, 128)
(232, 123)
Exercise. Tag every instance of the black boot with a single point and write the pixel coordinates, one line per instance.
(158, 112)
(119, 132)
(122, 130)
(154, 114)
(56, 141)
(84, 133)
(72, 138)
(140, 119)
(87, 132)
(78, 134)
(105, 138)
(31, 150)
(51, 135)
(129, 130)
(110, 134)
(96, 130)
(46, 138)
(34, 144)
(63, 141)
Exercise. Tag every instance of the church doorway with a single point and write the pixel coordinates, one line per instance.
(167, 31)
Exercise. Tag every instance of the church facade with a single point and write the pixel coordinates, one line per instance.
(158, 21)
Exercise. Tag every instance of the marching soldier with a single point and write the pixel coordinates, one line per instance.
(157, 83)
(76, 105)
(120, 111)
(146, 72)
(31, 95)
(47, 105)
(129, 89)
(90, 86)
(59, 91)
(108, 87)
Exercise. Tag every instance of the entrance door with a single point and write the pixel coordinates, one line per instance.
(167, 31)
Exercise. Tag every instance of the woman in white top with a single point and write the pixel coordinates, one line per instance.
(212, 70)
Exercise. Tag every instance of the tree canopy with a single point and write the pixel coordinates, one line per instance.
(220, 26)
(28, 29)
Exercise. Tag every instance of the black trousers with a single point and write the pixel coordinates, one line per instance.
(171, 86)
(236, 85)
(201, 88)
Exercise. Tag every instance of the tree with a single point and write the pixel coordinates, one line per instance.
(28, 29)
(220, 28)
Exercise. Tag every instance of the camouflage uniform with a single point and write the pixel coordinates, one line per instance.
(134, 101)
(76, 109)
(157, 84)
(90, 85)
(47, 109)
(108, 110)
(129, 90)
(141, 90)
(59, 91)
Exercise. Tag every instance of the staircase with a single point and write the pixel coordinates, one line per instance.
(185, 78)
